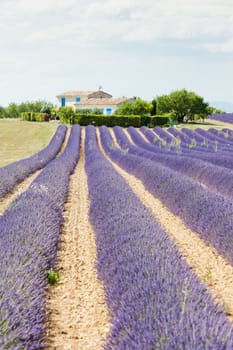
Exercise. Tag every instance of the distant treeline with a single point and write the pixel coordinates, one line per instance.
(14, 110)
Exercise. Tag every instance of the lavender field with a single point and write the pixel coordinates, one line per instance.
(150, 293)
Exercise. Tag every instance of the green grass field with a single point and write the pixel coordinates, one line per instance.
(20, 139)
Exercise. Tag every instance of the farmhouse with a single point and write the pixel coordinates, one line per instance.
(100, 100)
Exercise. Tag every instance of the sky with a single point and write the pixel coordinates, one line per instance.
(128, 47)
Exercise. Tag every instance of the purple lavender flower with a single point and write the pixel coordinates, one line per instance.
(156, 301)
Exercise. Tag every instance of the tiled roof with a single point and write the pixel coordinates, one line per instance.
(100, 94)
(75, 93)
(101, 101)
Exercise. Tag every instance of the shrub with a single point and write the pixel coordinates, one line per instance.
(66, 114)
(35, 117)
(167, 119)
(53, 276)
(89, 111)
(110, 121)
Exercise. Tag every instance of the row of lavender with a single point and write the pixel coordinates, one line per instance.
(191, 141)
(218, 177)
(213, 145)
(200, 136)
(215, 177)
(204, 211)
(226, 117)
(29, 232)
(155, 300)
(12, 174)
(220, 157)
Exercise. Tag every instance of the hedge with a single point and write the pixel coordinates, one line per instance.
(120, 120)
(110, 121)
(35, 117)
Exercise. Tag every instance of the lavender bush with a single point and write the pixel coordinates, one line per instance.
(184, 142)
(14, 173)
(228, 131)
(203, 211)
(156, 301)
(192, 134)
(213, 137)
(29, 233)
(214, 177)
(187, 142)
(224, 136)
(218, 157)
(221, 157)
(213, 142)
(163, 134)
(226, 117)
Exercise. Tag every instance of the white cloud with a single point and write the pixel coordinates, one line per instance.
(124, 20)
(110, 8)
(182, 20)
(25, 7)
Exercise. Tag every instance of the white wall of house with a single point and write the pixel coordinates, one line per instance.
(106, 109)
(69, 101)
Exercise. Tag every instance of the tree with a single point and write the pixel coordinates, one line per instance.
(163, 104)
(184, 104)
(154, 107)
(12, 111)
(135, 107)
(39, 106)
(2, 112)
(180, 103)
(214, 110)
(197, 106)
(46, 108)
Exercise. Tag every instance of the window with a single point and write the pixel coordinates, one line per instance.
(63, 101)
(108, 111)
(78, 99)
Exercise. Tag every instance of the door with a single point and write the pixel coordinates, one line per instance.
(108, 111)
(63, 101)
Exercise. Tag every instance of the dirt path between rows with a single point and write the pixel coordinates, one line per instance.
(76, 310)
(213, 270)
(18, 189)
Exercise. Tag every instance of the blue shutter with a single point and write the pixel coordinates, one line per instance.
(63, 101)
(78, 99)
